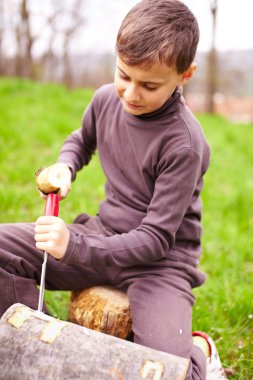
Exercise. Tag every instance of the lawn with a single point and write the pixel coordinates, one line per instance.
(35, 120)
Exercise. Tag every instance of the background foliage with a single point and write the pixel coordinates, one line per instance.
(35, 119)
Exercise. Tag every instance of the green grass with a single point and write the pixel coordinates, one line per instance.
(35, 120)
(224, 305)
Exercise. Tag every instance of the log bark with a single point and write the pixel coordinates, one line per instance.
(102, 308)
(35, 346)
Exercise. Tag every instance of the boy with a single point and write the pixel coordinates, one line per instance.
(146, 236)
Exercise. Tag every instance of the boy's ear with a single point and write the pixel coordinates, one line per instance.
(187, 75)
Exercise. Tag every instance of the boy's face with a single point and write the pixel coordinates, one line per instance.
(144, 90)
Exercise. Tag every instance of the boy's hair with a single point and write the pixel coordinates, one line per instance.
(164, 31)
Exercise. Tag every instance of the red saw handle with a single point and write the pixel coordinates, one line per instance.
(52, 205)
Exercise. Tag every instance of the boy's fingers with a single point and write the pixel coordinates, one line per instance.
(51, 235)
(41, 229)
(43, 246)
(46, 220)
(41, 237)
(63, 192)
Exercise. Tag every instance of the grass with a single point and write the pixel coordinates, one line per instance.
(35, 120)
(224, 305)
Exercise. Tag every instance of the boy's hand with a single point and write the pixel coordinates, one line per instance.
(54, 179)
(52, 236)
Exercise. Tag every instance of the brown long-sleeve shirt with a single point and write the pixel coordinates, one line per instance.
(154, 166)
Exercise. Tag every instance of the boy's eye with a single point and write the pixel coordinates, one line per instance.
(149, 88)
(123, 76)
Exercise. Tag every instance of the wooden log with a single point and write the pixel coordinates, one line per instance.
(102, 308)
(36, 346)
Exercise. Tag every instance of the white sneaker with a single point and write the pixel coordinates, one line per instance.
(214, 370)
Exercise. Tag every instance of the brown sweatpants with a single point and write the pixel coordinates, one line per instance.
(160, 295)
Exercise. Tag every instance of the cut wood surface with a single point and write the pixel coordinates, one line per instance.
(102, 308)
(35, 346)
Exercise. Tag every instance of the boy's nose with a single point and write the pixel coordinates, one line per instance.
(132, 94)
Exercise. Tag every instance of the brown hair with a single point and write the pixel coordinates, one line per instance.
(163, 31)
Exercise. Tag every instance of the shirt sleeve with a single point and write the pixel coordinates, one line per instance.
(177, 179)
(79, 147)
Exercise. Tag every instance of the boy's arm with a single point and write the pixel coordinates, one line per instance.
(75, 153)
(155, 236)
(81, 144)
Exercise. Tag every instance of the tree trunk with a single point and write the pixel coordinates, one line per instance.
(36, 346)
(212, 62)
(25, 41)
(102, 308)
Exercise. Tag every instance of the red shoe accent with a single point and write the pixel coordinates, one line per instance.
(205, 336)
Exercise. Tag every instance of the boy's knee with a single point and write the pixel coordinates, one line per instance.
(175, 344)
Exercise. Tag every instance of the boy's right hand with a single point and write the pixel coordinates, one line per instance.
(55, 178)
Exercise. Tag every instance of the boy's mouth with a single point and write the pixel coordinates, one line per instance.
(132, 105)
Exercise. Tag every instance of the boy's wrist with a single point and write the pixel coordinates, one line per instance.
(68, 257)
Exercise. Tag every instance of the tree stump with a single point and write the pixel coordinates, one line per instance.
(102, 308)
(36, 346)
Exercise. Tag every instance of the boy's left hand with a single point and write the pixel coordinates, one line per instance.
(52, 236)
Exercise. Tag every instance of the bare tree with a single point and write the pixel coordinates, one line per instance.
(42, 40)
(1, 37)
(212, 61)
(49, 59)
(77, 21)
(25, 41)
(65, 21)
